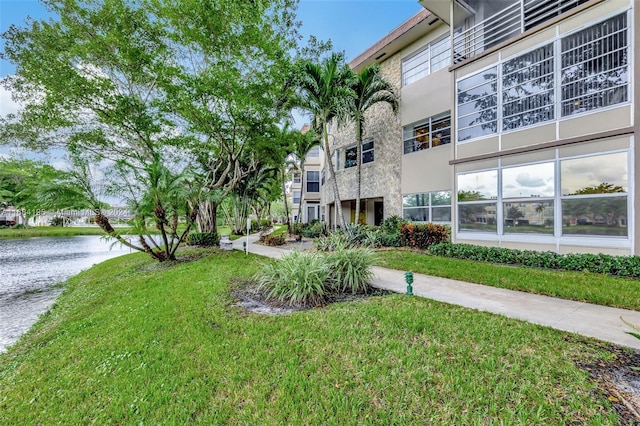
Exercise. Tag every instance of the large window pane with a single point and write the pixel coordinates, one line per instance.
(441, 214)
(536, 180)
(477, 99)
(441, 198)
(478, 186)
(477, 217)
(434, 131)
(528, 217)
(595, 67)
(419, 214)
(598, 216)
(601, 174)
(416, 200)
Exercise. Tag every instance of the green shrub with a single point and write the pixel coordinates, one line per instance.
(389, 240)
(392, 224)
(314, 229)
(331, 242)
(350, 270)
(205, 239)
(265, 223)
(56, 221)
(622, 266)
(298, 279)
(423, 235)
(272, 240)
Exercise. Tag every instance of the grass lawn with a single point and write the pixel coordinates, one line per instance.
(582, 286)
(132, 341)
(51, 231)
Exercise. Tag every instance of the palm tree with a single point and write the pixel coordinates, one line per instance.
(370, 88)
(324, 91)
(301, 148)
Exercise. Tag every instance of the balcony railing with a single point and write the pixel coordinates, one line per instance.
(470, 40)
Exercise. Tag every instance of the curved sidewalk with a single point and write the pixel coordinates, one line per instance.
(600, 322)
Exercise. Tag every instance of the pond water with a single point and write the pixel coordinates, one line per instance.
(32, 268)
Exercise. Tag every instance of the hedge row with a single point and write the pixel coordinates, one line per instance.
(423, 236)
(206, 239)
(621, 266)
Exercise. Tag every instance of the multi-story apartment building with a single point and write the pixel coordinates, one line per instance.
(516, 124)
(307, 189)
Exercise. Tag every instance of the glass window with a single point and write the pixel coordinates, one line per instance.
(535, 180)
(296, 197)
(433, 57)
(314, 152)
(527, 89)
(594, 67)
(530, 217)
(477, 217)
(478, 186)
(350, 157)
(597, 216)
(427, 207)
(593, 73)
(367, 152)
(432, 132)
(296, 178)
(599, 174)
(477, 99)
(313, 181)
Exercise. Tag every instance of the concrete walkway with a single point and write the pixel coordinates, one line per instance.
(590, 320)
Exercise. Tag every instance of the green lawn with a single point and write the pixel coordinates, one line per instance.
(131, 341)
(51, 231)
(582, 286)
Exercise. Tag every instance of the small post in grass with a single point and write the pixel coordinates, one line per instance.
(246, 243)
(408, 277)
(244, 247)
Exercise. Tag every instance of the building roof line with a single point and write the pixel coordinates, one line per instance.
(392, 36)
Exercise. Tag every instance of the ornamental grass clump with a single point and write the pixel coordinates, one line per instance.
(298, 279)
(350, 270)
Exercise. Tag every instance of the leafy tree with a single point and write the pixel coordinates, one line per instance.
(175, 94)
(470, 196)
(32, 186)
(514, 213)
(601, 188)
(370, 88)
(325, 92)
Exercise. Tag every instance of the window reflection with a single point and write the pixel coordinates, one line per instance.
(480, 217)
(599, 174)
(530, 217)
(536, 180)
(606, 216)
(478, 186)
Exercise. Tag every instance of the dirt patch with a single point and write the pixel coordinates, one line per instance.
(619, 380)
(249, 297)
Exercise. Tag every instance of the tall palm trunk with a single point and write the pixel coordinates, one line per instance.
(332, 176)
(359, 129)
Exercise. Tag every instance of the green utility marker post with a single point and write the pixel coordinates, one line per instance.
(408, 277)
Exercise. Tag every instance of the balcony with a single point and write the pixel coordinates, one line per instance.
(480, 24)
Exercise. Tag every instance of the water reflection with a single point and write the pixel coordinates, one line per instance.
(30, 268)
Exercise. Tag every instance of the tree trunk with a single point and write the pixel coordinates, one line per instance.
(301, 191)
(286, 205)
(332, 175)
(207, 219)
(358, 169)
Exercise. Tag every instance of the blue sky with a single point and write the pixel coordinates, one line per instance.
(352, 25)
